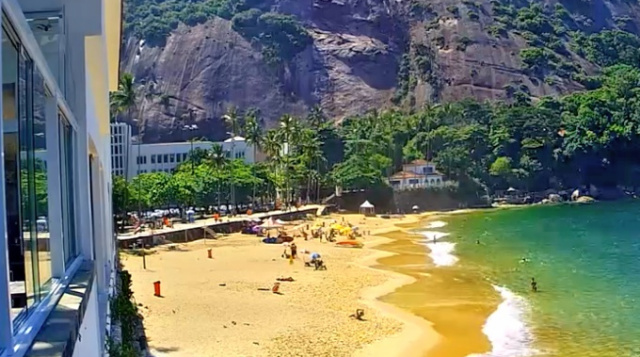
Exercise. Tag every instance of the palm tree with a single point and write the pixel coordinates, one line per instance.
(288, 128)
(125, 100)
(253, 135)
(312, 154)
(233, 123)
(272, 146)
(218, 161)
(316, 118)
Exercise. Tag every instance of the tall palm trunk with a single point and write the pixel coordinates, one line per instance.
(318, 180)
(308, 186)
(218, 196)
(253, 194)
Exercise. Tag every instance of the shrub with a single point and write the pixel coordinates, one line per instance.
(454, 10)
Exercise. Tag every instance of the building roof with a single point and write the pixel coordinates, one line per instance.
(235, 138)
(406, 175)
(366, 204)
(418, 162)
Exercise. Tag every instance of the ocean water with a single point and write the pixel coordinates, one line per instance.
(585, 258)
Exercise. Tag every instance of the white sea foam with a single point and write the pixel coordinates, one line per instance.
(441, 252)
(506, 328)
(436, 224)
(433, 235)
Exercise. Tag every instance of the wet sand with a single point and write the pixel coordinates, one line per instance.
(451, 298)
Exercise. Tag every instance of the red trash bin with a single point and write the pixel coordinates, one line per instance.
(156, 288)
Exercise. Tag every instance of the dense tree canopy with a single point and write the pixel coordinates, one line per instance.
(280, 36)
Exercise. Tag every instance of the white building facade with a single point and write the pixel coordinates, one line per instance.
(120, 148)
(416, 174)
(130, 159)
(59, 61)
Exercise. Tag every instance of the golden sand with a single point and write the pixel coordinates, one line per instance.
(212, 307)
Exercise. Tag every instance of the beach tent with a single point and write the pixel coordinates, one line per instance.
(269, 224)
(367, 209)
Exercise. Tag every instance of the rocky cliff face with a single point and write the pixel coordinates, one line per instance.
(367, 54)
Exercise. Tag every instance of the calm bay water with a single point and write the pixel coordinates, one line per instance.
(586, 259)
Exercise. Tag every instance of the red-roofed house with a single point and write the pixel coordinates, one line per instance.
(416, 174)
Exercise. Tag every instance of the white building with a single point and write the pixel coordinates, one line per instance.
(59, 61)
(417, 174)
(164, 157)
(120, 148)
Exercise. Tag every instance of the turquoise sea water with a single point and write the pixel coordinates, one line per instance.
(586, 259)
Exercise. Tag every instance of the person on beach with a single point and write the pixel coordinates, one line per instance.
(294, 251)
(534, 285)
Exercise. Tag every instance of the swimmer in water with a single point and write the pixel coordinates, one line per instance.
(534, 285)
(478, 241)
(524, 260)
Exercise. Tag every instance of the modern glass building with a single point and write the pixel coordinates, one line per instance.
(57, 251)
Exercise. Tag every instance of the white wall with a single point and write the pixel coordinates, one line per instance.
(88, 343)
(146, 150)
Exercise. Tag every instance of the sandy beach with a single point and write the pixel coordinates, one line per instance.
(216, 307)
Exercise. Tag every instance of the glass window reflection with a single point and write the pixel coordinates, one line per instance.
(40, 182)
(66, 182)
(27, 176)
(16, 245)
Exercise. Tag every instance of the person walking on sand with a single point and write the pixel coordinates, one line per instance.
(294, 251)
(534, 285)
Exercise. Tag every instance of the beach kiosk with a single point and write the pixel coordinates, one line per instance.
(367, 209)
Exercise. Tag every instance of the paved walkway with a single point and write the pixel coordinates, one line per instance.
(314, 209)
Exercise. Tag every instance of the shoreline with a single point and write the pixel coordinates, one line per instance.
(418, 336)
(415, 328)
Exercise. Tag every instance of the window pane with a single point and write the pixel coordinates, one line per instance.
(66, 182)
(17, 276)
(27, 176)
(41, 187)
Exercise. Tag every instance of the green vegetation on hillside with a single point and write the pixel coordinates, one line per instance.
(281, 36)
(550, 30)
(584, 138)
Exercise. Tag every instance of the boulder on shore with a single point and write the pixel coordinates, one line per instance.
(555, 198)
(585, 199)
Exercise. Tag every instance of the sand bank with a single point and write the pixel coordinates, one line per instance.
(213, 307)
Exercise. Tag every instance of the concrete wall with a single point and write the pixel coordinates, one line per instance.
(88, 343)
(403, 201)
